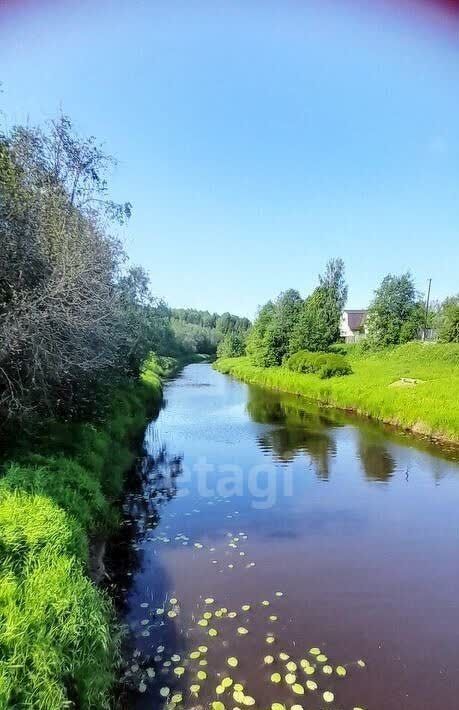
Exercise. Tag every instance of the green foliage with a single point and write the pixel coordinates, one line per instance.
(317, 326)
(430, 407)
(448, 320)
(323, 364)
(260, 337)
(232, 345)
(201, 332)
(57, 634)
(290, 324)
(396, 314)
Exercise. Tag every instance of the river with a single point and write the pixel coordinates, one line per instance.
(296, 541)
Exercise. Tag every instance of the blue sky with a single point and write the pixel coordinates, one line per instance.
(256, 140)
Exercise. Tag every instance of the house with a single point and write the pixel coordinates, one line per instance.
(352, 327)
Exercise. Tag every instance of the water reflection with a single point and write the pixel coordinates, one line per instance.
(298, 429)
(354, 560)
(375, 457)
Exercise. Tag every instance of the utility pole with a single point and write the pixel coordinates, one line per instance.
(427, 309)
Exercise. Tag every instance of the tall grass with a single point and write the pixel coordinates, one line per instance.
(376, 389)
(57, 633)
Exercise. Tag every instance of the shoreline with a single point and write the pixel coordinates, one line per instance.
(326, 394)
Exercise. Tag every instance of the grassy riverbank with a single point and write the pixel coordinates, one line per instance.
(57, 631)
(429, 407)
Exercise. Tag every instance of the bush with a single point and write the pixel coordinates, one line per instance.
(323, 364)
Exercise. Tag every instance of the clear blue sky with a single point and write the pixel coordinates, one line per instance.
(257, 139)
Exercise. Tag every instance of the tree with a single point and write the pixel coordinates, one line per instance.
(232, 345)
(61, 294)
(396, 312)
(259, 339)
(448, 320)
(317, 325)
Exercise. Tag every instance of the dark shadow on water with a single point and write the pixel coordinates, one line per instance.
(151, 485)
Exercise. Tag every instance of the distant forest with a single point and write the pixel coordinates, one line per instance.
(202, 331)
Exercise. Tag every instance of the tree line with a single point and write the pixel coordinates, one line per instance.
(75, 315)
(289, 324)
(202, 331)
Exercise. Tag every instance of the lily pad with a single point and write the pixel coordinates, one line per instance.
(298, 689)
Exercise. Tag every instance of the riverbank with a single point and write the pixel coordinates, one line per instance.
(58, 637)
(379, 387)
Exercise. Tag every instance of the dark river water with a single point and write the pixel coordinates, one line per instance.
(307, 545)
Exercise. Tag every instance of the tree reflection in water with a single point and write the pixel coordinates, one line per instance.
(299, 428)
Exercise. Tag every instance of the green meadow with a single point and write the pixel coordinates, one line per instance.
(414, 386)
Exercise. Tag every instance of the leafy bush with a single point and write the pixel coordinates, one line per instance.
(323, 364)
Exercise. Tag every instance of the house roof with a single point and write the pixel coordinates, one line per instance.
(356, 319)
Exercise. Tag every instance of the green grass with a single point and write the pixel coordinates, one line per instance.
(430, 407)
(57, 632)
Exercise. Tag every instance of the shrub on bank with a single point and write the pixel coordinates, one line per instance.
(57, 636)
(323, 364)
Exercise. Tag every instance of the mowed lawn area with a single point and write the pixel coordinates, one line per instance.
(430, 406)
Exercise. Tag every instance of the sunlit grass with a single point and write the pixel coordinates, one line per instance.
(430, 406)
(57, 633)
